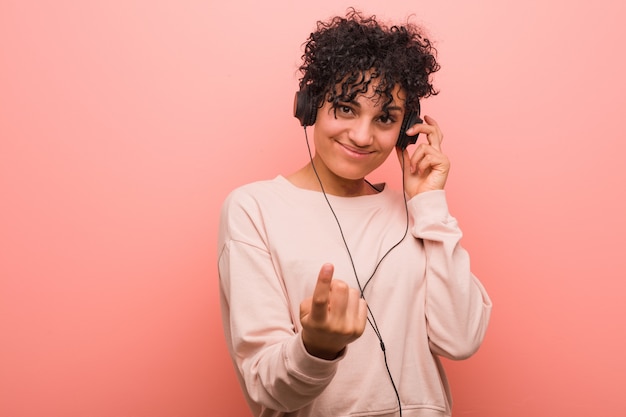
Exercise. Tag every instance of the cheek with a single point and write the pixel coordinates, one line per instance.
(327, 125)
(388, 140)
(387, 152)
(327, 132)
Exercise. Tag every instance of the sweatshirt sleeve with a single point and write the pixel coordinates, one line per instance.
(275, 369)
(457, 305)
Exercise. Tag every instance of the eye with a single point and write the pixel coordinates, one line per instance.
(387, 119)
(342, 108)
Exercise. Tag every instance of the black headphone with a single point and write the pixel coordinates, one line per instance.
(305, 110)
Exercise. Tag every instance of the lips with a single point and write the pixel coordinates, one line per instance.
(354, 152)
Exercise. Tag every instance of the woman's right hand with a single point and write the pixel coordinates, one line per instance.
(333, 317)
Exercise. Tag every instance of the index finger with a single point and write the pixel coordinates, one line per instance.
(431, 129)
(435, 137)
(321, 293)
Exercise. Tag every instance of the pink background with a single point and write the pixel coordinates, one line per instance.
(123, 125)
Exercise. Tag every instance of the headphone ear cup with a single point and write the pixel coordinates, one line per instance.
(409, 120)
(304, 108)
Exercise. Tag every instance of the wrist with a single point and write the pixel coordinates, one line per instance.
(320, 352)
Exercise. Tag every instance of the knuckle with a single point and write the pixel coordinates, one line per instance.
(355, 293)
(319, 300)
(339, 286)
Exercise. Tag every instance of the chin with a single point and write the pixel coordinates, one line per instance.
(351, 174)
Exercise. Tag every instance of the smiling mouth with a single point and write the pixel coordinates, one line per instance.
(355, 151)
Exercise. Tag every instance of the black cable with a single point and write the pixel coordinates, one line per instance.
(372, 322)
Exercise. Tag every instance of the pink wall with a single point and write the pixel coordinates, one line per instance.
(123, 124)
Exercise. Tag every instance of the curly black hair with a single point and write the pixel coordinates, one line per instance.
(344, 55)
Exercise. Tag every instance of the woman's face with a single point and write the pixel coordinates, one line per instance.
(354, 138)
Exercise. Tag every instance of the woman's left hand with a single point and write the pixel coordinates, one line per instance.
(427, 169)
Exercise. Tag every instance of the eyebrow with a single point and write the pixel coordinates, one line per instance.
(386, 109)
(393, 108)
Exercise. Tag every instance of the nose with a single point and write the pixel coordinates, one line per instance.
(361, 133)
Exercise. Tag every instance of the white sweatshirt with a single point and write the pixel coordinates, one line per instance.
(273, 240)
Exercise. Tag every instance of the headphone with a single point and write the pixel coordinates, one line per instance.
(305, 110)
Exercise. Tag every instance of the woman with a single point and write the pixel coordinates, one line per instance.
(338, 296)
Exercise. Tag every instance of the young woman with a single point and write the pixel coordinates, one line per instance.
(339, 296)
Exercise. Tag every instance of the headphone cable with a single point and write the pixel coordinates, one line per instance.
(371, 321)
